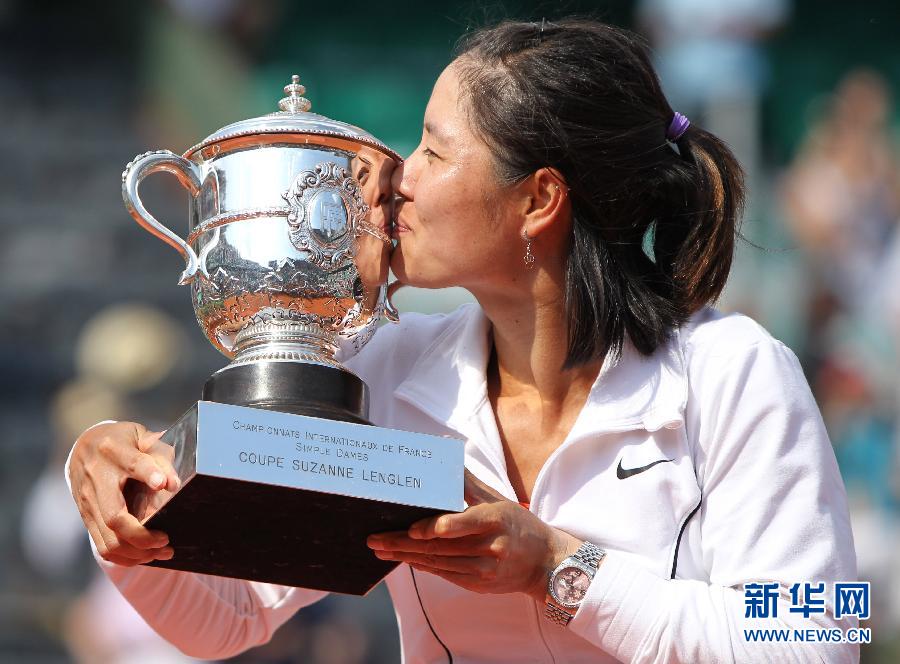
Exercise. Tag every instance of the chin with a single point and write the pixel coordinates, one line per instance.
(410, 276)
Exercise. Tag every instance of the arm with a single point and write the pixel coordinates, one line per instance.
(773, 508)
(208, 617)
(204, 616)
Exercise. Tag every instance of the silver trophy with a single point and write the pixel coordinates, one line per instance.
(287, 256)
(287, 250)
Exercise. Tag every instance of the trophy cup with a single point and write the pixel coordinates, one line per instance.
(287, 252)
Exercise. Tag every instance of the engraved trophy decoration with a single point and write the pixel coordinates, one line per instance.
(287, 254)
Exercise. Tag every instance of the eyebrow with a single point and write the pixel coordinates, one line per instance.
(437, 133)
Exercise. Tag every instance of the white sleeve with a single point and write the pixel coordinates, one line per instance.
(773, 508)
(209, 617)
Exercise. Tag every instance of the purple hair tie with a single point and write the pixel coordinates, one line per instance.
(678, 126)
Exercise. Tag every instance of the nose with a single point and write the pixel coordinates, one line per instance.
(403, 178)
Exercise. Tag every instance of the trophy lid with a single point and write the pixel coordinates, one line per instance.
(294, 118)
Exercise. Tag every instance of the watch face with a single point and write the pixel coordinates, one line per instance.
(570, 585)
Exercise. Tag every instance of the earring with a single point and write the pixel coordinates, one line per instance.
(529, 257)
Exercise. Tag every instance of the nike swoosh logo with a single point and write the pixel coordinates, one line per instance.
(624, 473)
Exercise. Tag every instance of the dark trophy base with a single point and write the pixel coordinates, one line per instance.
(288, 494)
(291, 387)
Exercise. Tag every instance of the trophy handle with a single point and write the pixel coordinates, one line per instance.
(390, 311)
(189, 177)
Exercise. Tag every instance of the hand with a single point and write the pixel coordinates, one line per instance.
(495, 546)
(106, 458)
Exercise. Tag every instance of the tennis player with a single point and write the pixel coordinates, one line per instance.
(636, 456)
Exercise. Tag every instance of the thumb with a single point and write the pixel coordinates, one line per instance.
(477, 492)
(147, 439)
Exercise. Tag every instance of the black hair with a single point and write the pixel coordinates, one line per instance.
(654, 222)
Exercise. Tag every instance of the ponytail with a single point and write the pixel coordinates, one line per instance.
(699, 219)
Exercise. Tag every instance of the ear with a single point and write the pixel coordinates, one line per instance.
(548, 204)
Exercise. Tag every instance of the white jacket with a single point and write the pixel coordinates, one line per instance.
(752, 493)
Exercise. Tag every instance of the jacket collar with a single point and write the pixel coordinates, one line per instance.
(448, 381)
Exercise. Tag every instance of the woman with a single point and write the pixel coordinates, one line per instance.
(666, 454)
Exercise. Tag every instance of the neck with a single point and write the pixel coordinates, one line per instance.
(530, 342)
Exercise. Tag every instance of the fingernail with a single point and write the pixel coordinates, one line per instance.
(166, 554)
(384, 555)
(157, 479)
(374, 542)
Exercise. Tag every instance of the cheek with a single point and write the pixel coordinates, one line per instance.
(438, 199)
(452, 255)
(459, 235)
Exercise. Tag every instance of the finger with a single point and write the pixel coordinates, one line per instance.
(115, 517)
(148, 439)
(99, 542)
(137, 429)
(126, 562)
(111, 548)
(106, 554)
(132, 562)
(121, 547)
(465, 546)
(477, 492)
(475, 520)
(104, 539)
(462, 580)
(122, 450)
(163, 454)
(129, 530)
(148, 469)
(101, 503)
(472, 566)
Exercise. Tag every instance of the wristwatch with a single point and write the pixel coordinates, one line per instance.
(569, 583)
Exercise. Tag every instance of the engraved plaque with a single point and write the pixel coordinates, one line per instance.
(302, 492)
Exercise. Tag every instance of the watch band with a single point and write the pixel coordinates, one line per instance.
(556, 615)
(588, 554)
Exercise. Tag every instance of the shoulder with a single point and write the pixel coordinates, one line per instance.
(737, 371)
(733, 363)
(714, 339)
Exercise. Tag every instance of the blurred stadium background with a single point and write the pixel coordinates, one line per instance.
(93, 325)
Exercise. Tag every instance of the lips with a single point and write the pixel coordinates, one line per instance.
(398, 226)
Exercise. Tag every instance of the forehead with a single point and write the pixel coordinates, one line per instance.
(447, 124)
(445, 114)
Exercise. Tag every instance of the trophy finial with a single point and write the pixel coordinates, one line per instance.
(294, 102)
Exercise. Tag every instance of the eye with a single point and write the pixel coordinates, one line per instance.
(428, 152)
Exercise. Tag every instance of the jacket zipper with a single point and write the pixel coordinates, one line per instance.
(539, 481)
